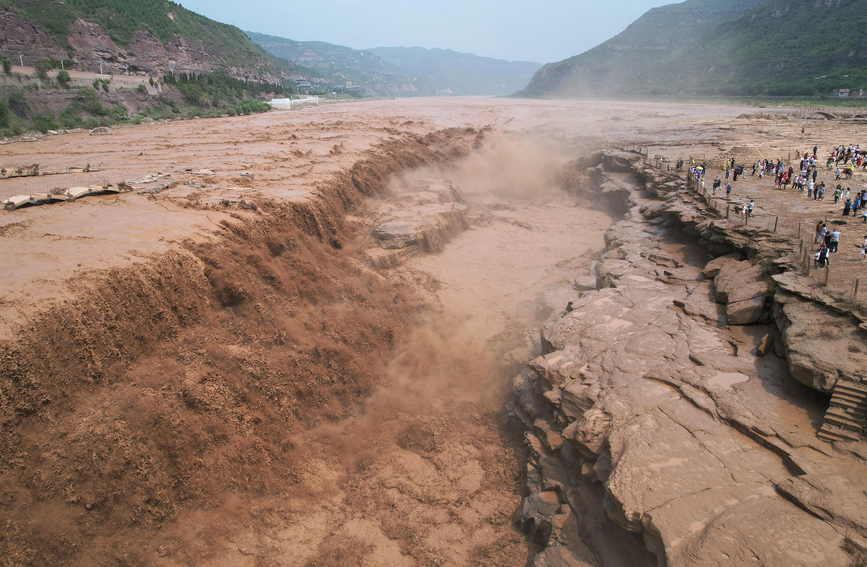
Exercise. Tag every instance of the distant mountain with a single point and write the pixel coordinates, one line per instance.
(459, 73)
(149, 36)
(400, 71)
(342, 65)
(728, 47)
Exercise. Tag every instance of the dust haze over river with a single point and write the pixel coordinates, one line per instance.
(441, 464)
(223, 388)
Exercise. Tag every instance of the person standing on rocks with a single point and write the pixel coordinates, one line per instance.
(823, 232)
(716, 184)
(835, 240)
(819, 226)
(864, 249)
(728, 190)
(822, 257)
(846, 207)
(837, 192)
(750, 208)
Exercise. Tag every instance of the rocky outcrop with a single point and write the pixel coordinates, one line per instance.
(92, 44)
(20, 34)
(146, 54)
(648, 413)
(743, 287)
(396, 235)
(146, 51)
(423, 218)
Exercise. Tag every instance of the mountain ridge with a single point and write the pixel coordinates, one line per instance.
(721, 47)
(404, 71)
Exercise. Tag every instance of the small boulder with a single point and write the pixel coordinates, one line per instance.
(748, 291)
(554, 368)
(712, 268)
(765, 345)
(734, 276)
(745, 312)
(395, 235)
(558, 556)
(545, 430)
(584, 283)
(536, 513)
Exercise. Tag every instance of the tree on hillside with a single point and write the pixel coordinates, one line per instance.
(42, 68)
(63, 78)
(5, 116)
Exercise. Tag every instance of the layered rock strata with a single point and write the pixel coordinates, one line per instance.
(421, 218)
(90, 44)
(657, 434)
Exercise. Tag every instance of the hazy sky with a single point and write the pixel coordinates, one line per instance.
(540, 30)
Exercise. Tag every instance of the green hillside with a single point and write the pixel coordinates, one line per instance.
(760, 53)
(202, 68)
(121, 18)
(225, 44)
(727, 47)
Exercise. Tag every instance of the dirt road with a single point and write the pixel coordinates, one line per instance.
(85, 79)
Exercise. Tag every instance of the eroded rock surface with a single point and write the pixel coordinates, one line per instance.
(650, 412)
(424, 217)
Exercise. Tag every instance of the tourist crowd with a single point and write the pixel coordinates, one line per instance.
(803, 175)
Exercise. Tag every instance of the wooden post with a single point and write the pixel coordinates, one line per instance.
(827, 272)
(801, 248)
(855, 293)
(728, 207)
(799, 230)
(808, 260)
(775, 223)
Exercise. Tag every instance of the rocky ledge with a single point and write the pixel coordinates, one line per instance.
(662, 430)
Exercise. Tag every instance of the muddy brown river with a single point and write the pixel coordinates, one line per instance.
(222, 367)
